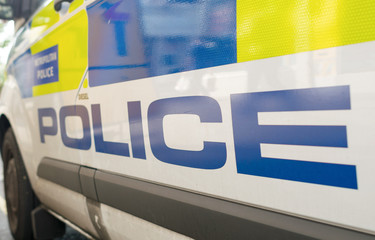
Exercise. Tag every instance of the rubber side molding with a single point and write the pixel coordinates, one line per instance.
(203, 217)
(62, 173)
(86, 176)
(192, 214)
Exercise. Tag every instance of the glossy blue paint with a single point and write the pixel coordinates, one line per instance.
(133, 39)
(248, 135)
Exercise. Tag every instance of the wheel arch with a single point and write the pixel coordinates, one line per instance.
(4, 125)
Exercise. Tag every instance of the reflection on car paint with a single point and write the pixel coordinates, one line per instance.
(131, 39)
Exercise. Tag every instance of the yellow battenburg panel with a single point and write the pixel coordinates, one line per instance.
(45, 18)
(75, 4)
(72, 40)
(269, 28)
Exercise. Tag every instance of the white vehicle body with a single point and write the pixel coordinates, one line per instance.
(158, 137)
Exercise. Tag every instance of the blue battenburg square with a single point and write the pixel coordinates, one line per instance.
(46, 65)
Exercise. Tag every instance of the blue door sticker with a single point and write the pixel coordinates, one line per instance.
(46, 66)
(248, 135)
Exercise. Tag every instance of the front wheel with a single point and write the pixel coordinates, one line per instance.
(18, 193)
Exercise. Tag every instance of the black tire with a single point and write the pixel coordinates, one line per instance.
(18, 192)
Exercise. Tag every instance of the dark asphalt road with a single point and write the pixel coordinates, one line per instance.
(71, 234)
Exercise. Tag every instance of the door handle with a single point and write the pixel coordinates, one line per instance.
(57, 4)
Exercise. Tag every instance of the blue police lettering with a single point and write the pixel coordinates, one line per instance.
(248, 134)
(121, 149)
(83, 143)
(136, 130)
(47, 130)
(212, 156)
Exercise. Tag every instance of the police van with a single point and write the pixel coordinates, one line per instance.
(179, 119)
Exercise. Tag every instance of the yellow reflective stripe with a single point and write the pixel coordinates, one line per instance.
(75, 4)
(85, 83)
(269, 28)
(72, 40)
(45, 18)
